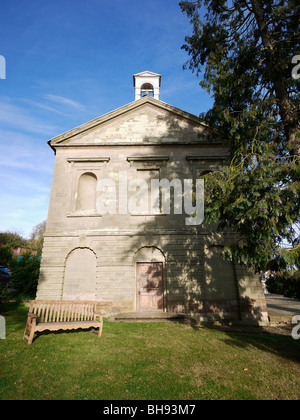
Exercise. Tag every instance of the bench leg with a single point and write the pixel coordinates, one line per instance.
(27, 329)
(32, 330)
(100, 329)
(99, 333)
(30, 339)
(25, 336)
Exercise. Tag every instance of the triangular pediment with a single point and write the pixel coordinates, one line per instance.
(147, 74)
(146, 121)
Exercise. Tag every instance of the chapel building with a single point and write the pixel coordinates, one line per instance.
(125, 227)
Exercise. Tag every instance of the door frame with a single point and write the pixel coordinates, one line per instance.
(150, 254)
(138, 309)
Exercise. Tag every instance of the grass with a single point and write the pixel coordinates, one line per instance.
(149, 361)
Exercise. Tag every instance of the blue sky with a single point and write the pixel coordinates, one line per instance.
(67, 62)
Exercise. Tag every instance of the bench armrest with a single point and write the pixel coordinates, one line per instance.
(32, 315)
(98, 315)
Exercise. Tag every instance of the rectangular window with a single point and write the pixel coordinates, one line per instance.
(142, 200)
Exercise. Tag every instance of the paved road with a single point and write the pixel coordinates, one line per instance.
(280, 307)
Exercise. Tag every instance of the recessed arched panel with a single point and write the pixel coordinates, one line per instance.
(149, 254)
(219, 275)
(86, 192)
(80, 275)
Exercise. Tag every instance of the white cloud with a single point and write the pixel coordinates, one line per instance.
(25, 176)
(64, 101)
(24, 152)
(18, 118)
(45, 107)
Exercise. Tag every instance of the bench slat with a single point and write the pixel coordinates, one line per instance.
(39, 306)
(47, 312)
(52, 319)
(54, 315)
(62, 307)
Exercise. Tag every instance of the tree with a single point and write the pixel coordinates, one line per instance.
(246, 48)
(37, 237)
(6, 255)
(292, 256)
(13, 239)
(25, 274)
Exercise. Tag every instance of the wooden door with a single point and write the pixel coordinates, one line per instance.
(150, 293)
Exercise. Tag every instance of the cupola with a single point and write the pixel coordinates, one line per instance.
(146, 84)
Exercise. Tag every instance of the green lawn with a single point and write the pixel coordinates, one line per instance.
(146, 361)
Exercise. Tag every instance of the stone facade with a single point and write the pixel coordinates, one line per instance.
(92, 255)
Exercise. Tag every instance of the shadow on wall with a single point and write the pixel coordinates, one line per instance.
(195, 278)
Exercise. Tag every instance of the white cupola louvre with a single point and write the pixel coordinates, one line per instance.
(146, 84)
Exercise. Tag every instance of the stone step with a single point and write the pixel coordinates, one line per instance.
(148, 317)
(281, 320)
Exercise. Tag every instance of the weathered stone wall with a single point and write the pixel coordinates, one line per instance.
(140, 142)
(232, 294)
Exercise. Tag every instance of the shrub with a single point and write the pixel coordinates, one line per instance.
(25, 274)
(286, 283)
(5, 255)
(4, 296)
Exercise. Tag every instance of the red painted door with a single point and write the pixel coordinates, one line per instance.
(150, 294)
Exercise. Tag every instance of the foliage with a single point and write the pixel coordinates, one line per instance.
(5, 255)
(246, 49)
(285, 282)
(4, 296)
(13, 239)
(292, 256)
(25, 274)
(37, 237)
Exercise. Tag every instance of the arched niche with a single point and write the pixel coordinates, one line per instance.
(80, 275)
(86, 192)
(220, 279)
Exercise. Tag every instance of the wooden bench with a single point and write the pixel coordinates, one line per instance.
(61, 315)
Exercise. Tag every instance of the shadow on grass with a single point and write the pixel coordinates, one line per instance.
(277, 340)
(269, 341)
(37, 335)
(281, 346)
